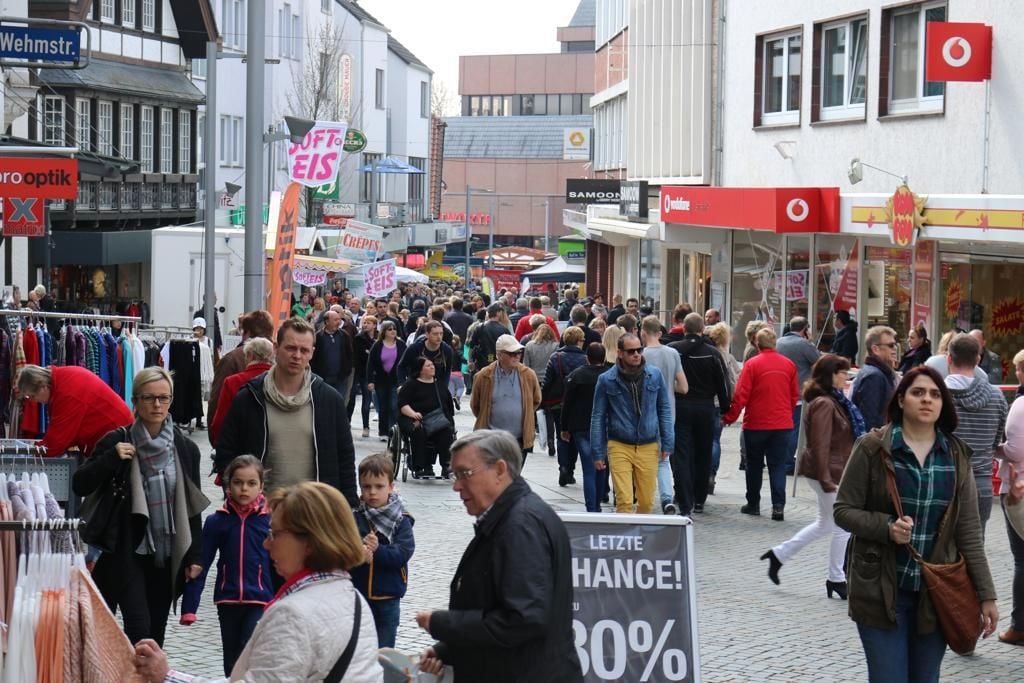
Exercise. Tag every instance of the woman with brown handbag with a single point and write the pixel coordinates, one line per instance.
(895, 612)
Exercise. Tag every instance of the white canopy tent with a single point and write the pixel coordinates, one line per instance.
(557, 270)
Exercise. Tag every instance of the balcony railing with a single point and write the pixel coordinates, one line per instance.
(106, 196)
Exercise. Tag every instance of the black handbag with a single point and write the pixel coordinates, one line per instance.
(103, 510)
(436, 420)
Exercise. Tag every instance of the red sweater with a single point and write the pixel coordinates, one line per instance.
(83, 409)
(232, 385)
(773, 377)
(523, 326)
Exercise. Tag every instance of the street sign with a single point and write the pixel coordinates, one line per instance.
(634, 597)
(42, 44)
(41, 178)
(339, 209)
(355, 141)
(226, 201)
(24, 217)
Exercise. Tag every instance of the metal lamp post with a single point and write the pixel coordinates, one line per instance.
(469, 233)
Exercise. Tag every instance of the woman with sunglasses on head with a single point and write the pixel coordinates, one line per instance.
(894, 612)
(159, 540)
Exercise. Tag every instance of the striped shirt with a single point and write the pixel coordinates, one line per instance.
(925, 493)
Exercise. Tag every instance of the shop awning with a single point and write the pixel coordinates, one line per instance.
(557, 270)
(776, 209)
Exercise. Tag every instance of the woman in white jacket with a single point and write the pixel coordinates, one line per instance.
(306, 633)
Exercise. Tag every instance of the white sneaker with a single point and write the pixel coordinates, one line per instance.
(669, 509)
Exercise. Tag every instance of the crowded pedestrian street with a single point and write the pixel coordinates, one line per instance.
(750, 630)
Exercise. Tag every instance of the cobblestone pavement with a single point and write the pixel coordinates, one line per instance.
(750, 630)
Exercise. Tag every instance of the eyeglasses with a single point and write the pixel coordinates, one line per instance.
(891, 345)
(271, 533)
(162, 399)
(463, 475)
(633, 352)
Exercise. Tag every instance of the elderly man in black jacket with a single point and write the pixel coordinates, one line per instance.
(292, 420)
(332, 355)
(509, 615)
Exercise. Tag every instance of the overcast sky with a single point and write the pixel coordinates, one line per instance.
(439, 31)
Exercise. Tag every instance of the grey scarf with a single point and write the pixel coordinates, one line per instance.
(633, 379)
(155, 457)
(287, 403)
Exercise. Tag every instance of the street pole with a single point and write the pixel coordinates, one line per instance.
(210, 185)
(48, 236)
(490, 233)
(469, 237)
(547, 226)
(254, 122)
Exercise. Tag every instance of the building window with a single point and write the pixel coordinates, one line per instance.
(166, 141)
(378, 95)
(290, 33)
(146, 138)
(199, 68)
(105, 139)
(232, 133)
(148, 15)
(325, 6)
(53, 120)
(841, 50)
(474, 105)
(127, 131)
(526, 108)
(424, 99)
(107, 11)
(83, 124)
(779, 79)
(296, 37)
(233, 20)
(902, 85)
(200, 139)
(364, 186)
(128, 13)
(184, 142)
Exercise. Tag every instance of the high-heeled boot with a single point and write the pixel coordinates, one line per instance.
(839, 587)
(774, 565)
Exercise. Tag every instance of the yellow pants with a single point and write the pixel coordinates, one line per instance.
(634, 466)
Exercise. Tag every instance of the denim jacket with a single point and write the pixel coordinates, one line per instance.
(615, 416)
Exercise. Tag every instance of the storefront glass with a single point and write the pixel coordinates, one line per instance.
(798, 284)
(650, 274)
(757, 268)
(835, 269)
(888, 274)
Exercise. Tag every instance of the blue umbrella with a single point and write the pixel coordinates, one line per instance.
(389, 165)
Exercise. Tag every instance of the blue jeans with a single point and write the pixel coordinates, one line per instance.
(359, 389)
(665, 484)
(901, 655)
(595, 482)
(766, 445)
(385, 617)
(794, 438)
(716, 444)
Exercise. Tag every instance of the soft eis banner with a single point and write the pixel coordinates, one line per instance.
(314, 161)
(379, 278)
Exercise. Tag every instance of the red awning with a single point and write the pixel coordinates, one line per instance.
(778, 209)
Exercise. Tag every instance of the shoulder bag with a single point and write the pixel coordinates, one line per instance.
(436, 420)
(950, 588)
(337, 672)
(103, 510)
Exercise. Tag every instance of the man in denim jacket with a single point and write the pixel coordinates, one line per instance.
(632, 426)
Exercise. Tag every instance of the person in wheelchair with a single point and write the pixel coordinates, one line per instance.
(426, 418)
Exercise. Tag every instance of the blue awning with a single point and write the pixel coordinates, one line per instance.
(389, 165)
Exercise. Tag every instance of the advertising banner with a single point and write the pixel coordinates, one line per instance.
(314, 161)
(41, 178)
(360, 242)
(503, 279)
(379, 278)
(24, 217)
(591, 191)
(634, 597)
(958, 51)
(309, 278)
(924, 262)
(279, 303)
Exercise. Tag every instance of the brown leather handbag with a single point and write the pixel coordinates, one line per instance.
(950, 588)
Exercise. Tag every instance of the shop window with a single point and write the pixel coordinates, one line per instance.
(777, 88)
(796, 281)
(756, 282)
(83, 124)
(902, 86)
(888, 276)
(840, 55)
(836, 274)
(650, 274)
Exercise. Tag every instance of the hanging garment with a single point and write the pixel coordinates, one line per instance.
(184, 363)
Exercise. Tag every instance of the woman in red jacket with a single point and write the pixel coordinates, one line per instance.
(768, 421)
(82, 407)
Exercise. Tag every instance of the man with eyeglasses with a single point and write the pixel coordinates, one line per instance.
(876, 380)
(292, 420)
(506, 395)
(631, 429)
(509, 613)
(82, 408)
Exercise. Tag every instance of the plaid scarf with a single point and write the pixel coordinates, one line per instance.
(384, 520)
(306, 577)
(159, 477)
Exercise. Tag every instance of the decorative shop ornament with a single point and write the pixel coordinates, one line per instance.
(905, 216)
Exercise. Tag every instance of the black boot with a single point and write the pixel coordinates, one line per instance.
(773, 566)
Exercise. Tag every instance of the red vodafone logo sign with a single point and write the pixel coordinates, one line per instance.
(779, 209)
(797, 210)
(958, 51)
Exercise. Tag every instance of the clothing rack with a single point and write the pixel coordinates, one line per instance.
(66, 524)
(59, 472)
(21, 447)
(28, 312)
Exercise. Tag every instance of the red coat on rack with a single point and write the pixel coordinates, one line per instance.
(83, 409)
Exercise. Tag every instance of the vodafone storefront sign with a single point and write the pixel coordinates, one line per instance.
(778, 209)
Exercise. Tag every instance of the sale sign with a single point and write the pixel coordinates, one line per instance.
(314, 161)
(360, 242)
(1007, 317)
(379, 278)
